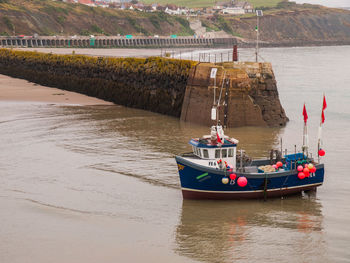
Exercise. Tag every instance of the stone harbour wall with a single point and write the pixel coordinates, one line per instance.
(249, 95)
(154, 84)
(180, 88)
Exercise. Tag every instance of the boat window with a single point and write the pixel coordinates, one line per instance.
(230, 152)
(217, 153)
(199, 152)
(205, 153)
(224, 153)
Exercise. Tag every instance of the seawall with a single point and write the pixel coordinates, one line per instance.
(179, 88)
(115, 42)
(154, 84)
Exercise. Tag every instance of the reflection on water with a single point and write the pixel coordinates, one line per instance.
(252, 231)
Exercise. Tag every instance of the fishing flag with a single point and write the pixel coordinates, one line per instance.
(324, 106)
(322, 117)
(218, 138)
(324, 103)
(305, 114)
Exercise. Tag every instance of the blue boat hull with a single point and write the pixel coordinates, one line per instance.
(200, 182)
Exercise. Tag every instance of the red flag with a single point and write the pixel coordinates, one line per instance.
(305, 114)
(218, 138)
(324, 103)
(322, 117)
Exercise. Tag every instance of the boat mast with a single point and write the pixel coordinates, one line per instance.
(319, 139)
(305, 147)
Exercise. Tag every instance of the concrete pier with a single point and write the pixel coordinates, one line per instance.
(114, 42)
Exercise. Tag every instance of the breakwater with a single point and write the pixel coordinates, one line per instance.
(180, 88)
(155, 84)
(114, 41)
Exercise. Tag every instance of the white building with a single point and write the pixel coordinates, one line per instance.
(233, 11)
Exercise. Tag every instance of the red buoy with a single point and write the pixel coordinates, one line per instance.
(301, 175)
(306, 172)
(313, 170)
(233, 176)
(300, 168)
(242, 181)
(279, 164)
(321, 152)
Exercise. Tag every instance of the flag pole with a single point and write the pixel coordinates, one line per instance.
(319, 141)
(305, 139)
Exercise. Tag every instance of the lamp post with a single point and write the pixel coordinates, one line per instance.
(258, 14)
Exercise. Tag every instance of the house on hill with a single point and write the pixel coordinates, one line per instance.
(233, 11)
(246, 6)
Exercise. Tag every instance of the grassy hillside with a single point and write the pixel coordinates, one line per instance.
(47, 17)
(284, 24)
(265, 3)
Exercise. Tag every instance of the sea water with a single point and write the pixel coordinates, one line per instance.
(100, 183)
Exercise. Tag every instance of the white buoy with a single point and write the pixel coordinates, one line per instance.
(224, 180)
(213, 113)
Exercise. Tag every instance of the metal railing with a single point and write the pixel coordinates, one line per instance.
(195, 55)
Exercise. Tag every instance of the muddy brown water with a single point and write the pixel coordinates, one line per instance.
(100, 184)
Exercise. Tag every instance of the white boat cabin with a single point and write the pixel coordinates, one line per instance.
(215, 149)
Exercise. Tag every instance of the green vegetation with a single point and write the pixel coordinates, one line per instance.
(155, 22)
(210, 27)
(224, 24)
(47, 17)
(265, 3)
(61, 19)
(97, 29)
(8, 22)
(56, 18)
(185, 26)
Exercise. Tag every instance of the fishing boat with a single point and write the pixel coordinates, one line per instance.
(216, 170)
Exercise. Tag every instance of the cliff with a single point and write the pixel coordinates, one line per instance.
(294, 26)
(287, 24)
(179, 88)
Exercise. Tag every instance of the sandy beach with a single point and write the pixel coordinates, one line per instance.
(12, 89)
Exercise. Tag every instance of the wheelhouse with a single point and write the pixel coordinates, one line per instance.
(207, 149)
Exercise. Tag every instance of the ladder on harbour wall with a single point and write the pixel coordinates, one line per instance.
(114, 42)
